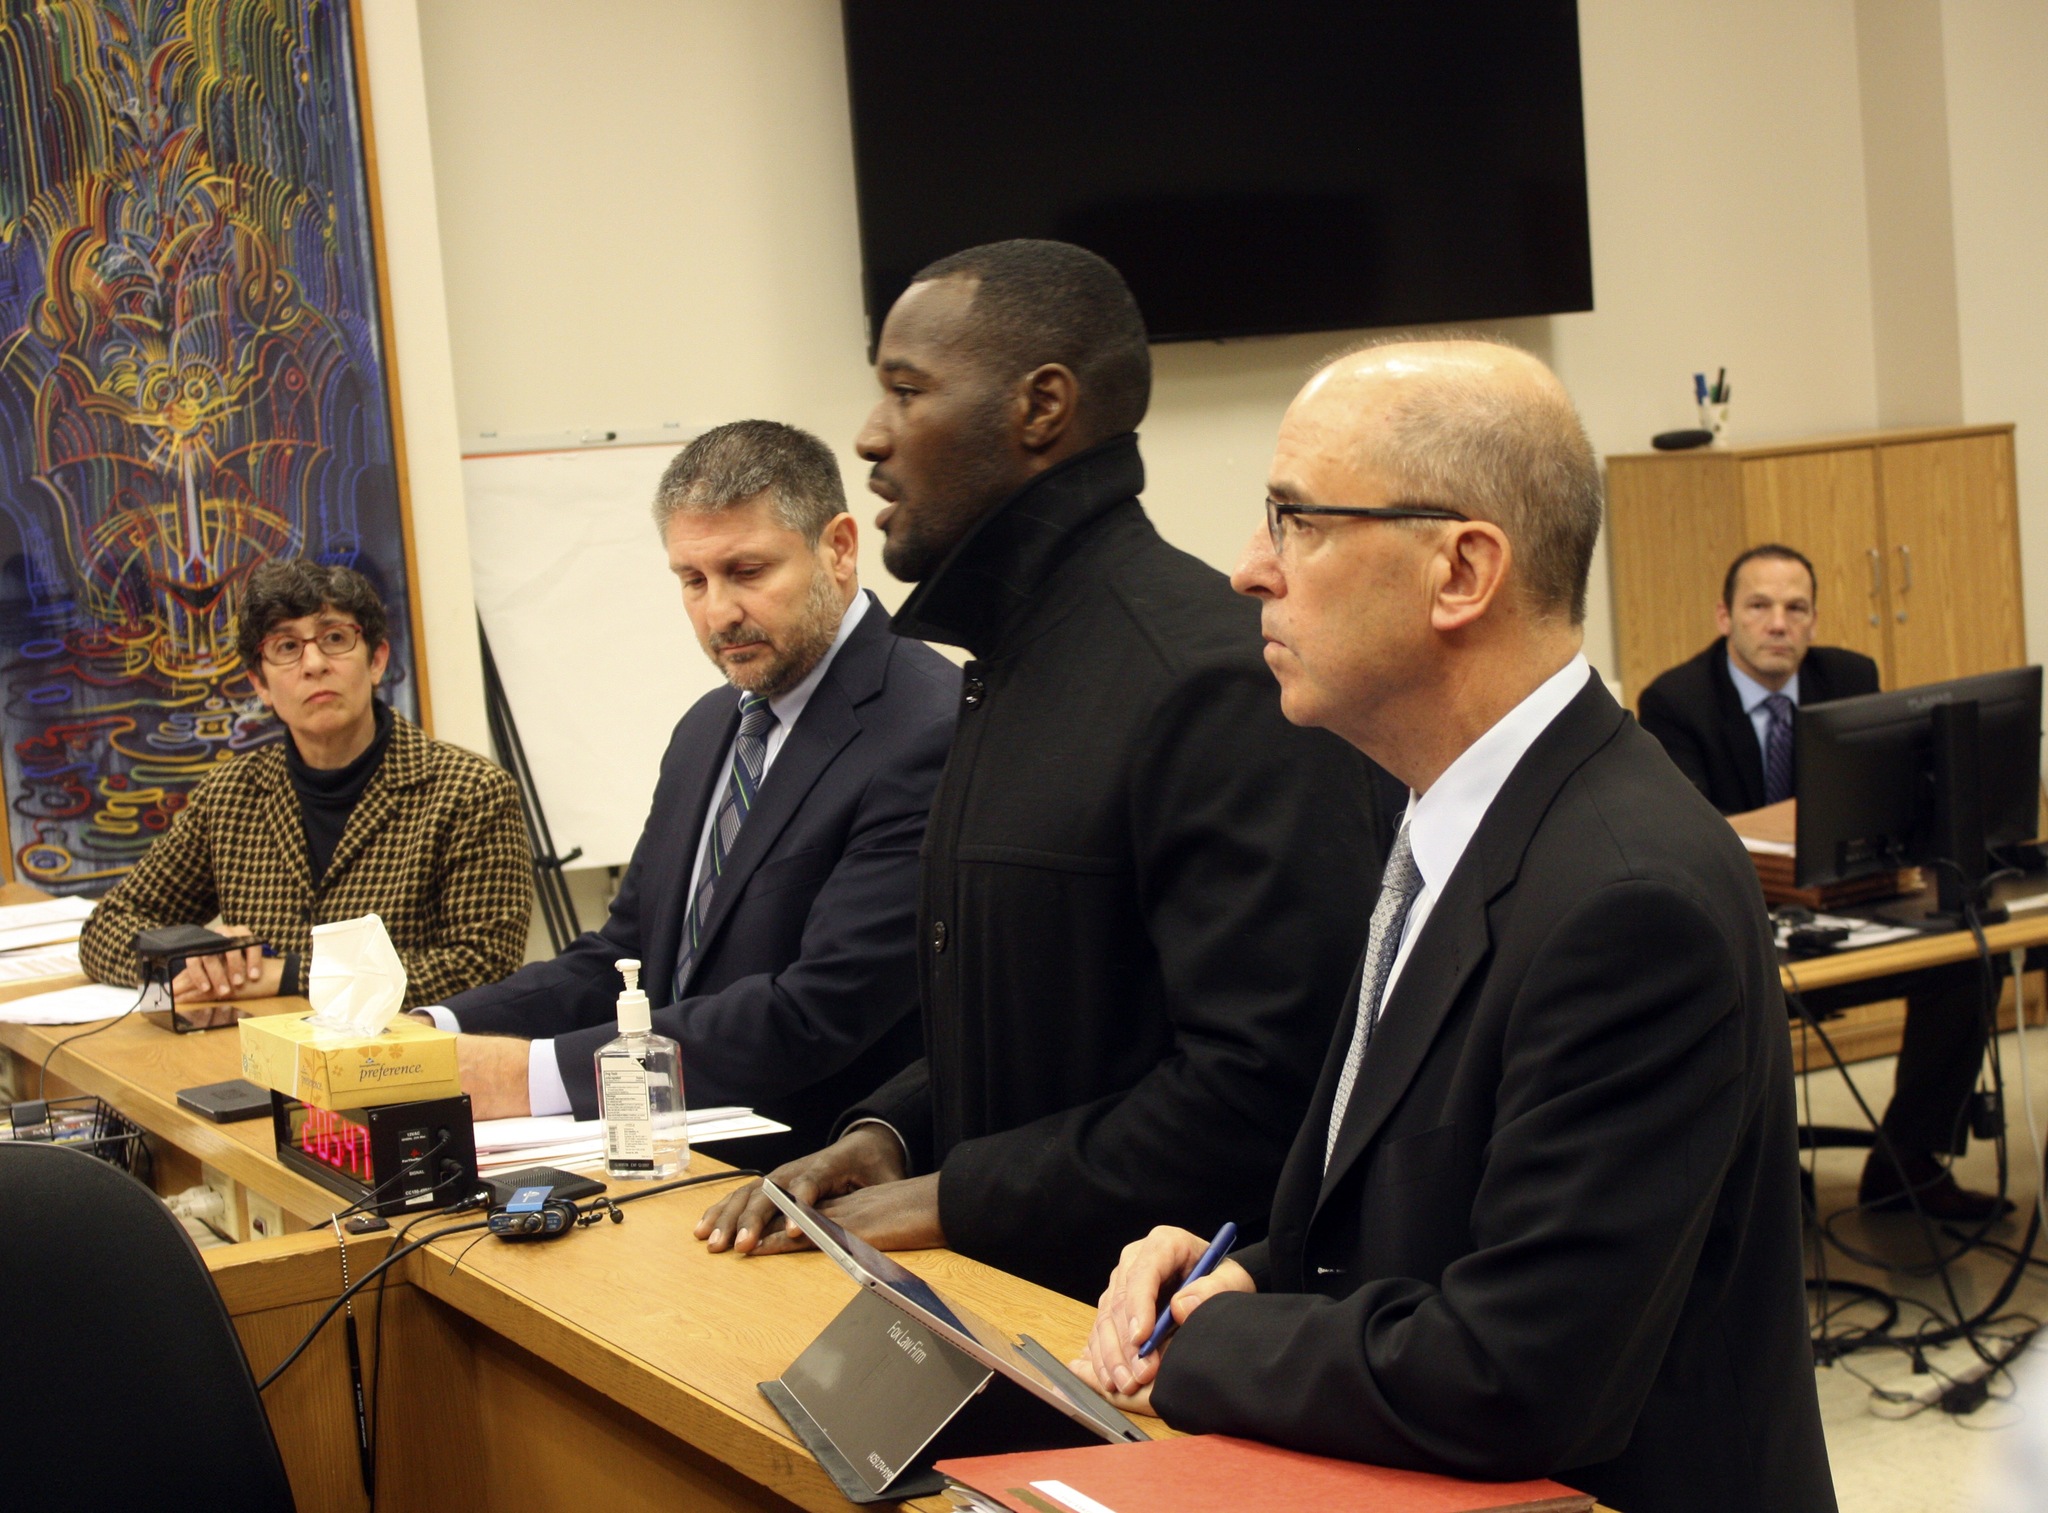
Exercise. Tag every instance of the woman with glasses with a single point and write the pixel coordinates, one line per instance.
(355, 811)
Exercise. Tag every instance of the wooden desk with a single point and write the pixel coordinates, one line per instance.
(615, 1368)
(2023, 932)
(138, 1068)
(1867, 983)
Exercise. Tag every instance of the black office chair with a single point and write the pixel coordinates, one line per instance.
(124, 1383)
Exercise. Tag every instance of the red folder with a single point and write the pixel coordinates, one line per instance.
(1214, 1473)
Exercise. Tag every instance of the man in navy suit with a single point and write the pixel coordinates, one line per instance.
(772, 899)
(1725, 717)
(1715, 715)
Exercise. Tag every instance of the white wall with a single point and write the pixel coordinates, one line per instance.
(424, 374)
(1996, 56)
(648, 216)
(1724, 162)
(1912, 223)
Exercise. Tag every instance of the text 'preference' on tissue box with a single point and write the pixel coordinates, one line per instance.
(406, 1062)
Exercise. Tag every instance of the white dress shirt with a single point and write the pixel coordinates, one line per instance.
(1753, 694)
(1442, 821)
(546, 1093)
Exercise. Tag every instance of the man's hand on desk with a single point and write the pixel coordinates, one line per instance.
(247, 973)
(493, 1071)
(857, 1181)
(1130, 1307)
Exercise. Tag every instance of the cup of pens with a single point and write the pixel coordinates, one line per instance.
(1713, 402)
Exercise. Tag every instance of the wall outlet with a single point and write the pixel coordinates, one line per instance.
(231, 1222)
(266, 1219)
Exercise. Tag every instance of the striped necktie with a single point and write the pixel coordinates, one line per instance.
(749, 757)
(1399, 885)
(1778, 750)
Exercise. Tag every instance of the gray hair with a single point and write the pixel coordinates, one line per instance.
(732, 464)
(1517, 456)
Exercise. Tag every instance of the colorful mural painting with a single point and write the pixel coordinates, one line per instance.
(192, 382)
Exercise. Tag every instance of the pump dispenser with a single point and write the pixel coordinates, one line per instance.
(640, 1092)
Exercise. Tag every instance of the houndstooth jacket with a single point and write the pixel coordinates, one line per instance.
(436, 847)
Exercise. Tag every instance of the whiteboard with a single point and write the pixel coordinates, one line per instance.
(587, 623)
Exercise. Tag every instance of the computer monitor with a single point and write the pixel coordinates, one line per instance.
(1929, 777)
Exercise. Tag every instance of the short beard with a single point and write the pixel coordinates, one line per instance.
(799, 650)
(978, 481)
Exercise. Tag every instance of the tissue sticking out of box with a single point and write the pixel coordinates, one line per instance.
(356, 982)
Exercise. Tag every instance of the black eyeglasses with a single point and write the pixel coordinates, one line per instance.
(333, 641)
(1277, 513)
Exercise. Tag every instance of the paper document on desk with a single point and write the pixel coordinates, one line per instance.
(47, 923)
(1862, 932)
(47, 961)
(564, 1140)
(80, 1005)
(1770, 831)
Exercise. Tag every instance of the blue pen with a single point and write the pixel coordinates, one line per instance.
(1699, 387)
(1218, 1249)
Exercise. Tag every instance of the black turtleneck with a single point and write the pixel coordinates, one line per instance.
(977, 593)
(328, 796)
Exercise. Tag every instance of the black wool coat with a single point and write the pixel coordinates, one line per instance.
(1143, 891)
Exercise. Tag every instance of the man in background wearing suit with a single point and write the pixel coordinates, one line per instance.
(772, 898)
(1725, 718)
(1140, 889)
(1542, 1218)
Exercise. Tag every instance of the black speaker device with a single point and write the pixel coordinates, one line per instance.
(396, 1158)
(164, 952)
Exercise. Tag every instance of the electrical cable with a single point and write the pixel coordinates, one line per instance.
(366, 1459)
(399, 1252)
(43, 1072)
(474, 1200)
(1832, 1347)
(2019, 1024)
(410, 1165)
(395, 1255)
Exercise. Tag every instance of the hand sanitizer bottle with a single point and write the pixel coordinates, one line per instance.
(640, 1092)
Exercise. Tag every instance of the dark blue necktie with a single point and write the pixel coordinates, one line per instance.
(1778, 750)
(749, 758)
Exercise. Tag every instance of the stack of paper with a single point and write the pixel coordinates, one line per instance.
(1770, 835)
(38, 963)
(566, 1141)
(79, 1005)
(50, 922)
(1862, 932)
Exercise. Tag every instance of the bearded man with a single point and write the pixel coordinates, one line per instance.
(772, 898)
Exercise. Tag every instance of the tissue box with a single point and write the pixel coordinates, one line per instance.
(333, 1070)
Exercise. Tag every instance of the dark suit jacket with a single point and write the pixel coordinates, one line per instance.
(801, 997)
(1141, 894)
(1696, 715)
(1560, 1235)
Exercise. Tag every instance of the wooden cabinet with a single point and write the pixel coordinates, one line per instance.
(1914, 537)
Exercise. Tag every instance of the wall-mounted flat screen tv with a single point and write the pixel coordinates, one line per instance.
(1252, 168)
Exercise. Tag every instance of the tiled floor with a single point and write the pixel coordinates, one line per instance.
(1932, 1462)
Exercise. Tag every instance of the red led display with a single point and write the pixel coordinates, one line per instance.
(332, 1140)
